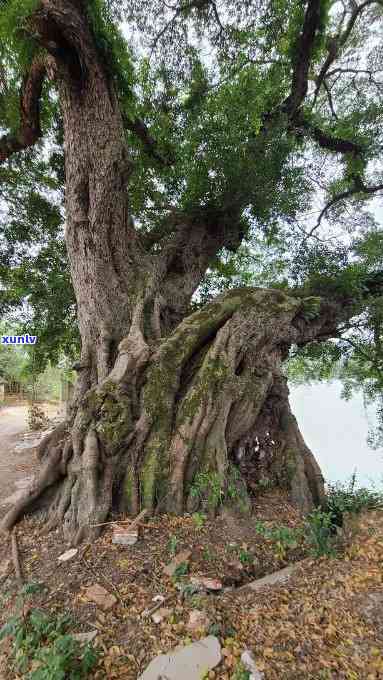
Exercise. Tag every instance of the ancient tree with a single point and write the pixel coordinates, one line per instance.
(168, 165)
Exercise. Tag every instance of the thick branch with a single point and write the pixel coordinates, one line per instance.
(326, 141)
(30, 130)
(302, 61)
(138, 127)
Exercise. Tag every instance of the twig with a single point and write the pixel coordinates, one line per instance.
(148, 612)
(126, 521)
(132, 523)
(16, 558)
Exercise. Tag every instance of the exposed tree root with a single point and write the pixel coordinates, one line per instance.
(163, 430)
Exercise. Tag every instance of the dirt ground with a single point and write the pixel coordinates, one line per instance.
(325, 623)
(15, 466)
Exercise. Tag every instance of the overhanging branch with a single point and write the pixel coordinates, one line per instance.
(138, 127)
(30, 130)
(325, 140)
(336, 43)
(359, 188)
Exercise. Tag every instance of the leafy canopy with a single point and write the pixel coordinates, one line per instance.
(214, 84)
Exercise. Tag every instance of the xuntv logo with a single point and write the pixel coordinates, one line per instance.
(18, 339)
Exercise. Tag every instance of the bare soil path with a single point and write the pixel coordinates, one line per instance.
(17, 453)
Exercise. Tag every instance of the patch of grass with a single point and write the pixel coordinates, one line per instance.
(42, 642)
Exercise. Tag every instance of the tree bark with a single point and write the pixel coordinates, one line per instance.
(163, 430)
(164, 401)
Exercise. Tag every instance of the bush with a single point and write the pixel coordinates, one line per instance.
(43, 640)
(345, 497)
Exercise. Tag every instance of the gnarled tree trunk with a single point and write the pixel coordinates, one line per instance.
(164, 400)
(163, 429)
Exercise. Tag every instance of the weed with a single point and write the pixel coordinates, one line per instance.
(207, 554)
(240, 672)
(284, 538)
(181, 570)
(199, 519)
(44, 641)
(320, 533)
(189, 590)
(208, 486)
(31, 588)
(245, 557)
(346, 497)
(172, 544)
(215, 629)
(196, 601)
(265, 483)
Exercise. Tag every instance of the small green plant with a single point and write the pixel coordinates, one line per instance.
(347, 497)
(181, 570)
(172, 544)
(196, 601)
(265, 483)
(43, 642)
(284, 538)
(207, 486)
(215, 629)
(207, 554)
(245, 557)
(31, 588)
(190, 590)
(199, 519)
(320, 533)
(240, 672)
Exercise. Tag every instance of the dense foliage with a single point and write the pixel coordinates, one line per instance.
(206, 91)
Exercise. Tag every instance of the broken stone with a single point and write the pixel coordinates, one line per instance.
(183, 556)
(85, 638)
(198, 621)
(206, 583)
(68, 555)
(189, 663)
(161, 614)
(250, 665)
(100, 596)
(125, 536)
(277, 577)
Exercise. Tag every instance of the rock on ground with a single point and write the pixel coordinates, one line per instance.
(189, 663)
(198, 621)
(250, 665)
(100, 596)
